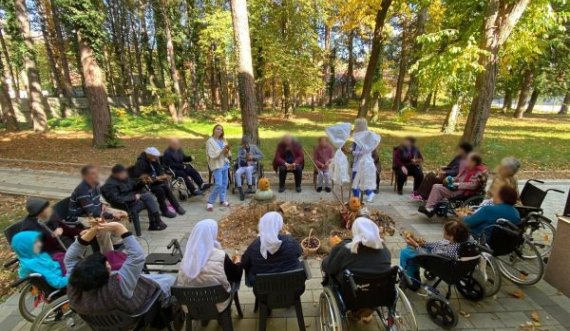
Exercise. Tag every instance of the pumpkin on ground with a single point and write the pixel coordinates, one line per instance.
(263, 193)
(263, 184)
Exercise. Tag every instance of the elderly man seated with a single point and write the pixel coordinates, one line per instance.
(148, 169)
(175, 158)
(289, 157)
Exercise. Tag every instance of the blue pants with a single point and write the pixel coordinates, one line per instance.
(220, 186)
(406, 255)
(355, 191)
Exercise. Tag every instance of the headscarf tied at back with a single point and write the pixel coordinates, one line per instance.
(270, 225)
(200, 246)
(338, 135)
(365, 232)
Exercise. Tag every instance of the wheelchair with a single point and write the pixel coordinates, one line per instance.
(378, 292)
(257, 174)
(177, 184)
(535, 225)
(454, 272)
(512, 254)
(447, 208)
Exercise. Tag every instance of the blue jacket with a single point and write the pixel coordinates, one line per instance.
(31, 262)
(488, 215)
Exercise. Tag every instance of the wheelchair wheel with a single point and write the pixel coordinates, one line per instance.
(31, 302)
(471, 289)
(331, 318)
(441, 313)
(492, 277)
(473, 201)
(541, 233)
(401, 317)
(58, 316)
(524, 266)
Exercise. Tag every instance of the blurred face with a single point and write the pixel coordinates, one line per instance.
(322, 141)
(121, 175)
(174, 144)
(38, 245)
(496, 198)
(46, 213)
(151, 158)
(218, 131)
(461, 152)
(287, 140)
(92, 176)
(504, 170)
(471, 163)
(408, 143)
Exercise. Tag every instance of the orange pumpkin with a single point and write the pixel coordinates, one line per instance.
(263, 184)
(354, 204)
(334, 240)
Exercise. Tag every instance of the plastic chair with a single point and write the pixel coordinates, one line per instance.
(116, 320)
(279, 290)
(199, 303)
(61, 208)
(164, 259)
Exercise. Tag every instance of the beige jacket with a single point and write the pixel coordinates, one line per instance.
(499, 182)
(215, 154)
(212, 274)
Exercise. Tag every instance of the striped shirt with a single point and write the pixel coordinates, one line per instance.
(85, 201)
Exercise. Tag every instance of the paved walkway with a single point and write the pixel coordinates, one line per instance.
(501, 312)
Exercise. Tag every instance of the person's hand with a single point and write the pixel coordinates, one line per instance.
(411, 242)
(162, 178)
(115, 228)
(83, 232)
(441, 174)
(120, 214)
(404, 170)
(345, 149)
(236, 259)
(137, 196)
(329, 162)
(57, 232)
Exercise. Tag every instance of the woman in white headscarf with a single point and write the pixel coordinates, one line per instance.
(364, 253)
(273, 251)
(205, 263)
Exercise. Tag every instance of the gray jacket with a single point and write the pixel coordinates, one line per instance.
(242, 155)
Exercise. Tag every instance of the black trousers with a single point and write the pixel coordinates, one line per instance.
(162, 193)
(297, 173)
(413, 171)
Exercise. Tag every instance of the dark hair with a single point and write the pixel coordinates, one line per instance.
(458, 230)
(476, 157)
(508, 195)
(411, 139)
(466, 147)
(90, 274)
(86, 169)
(118, 168)
(214, 130)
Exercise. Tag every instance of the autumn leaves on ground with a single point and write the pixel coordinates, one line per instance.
(541, 140)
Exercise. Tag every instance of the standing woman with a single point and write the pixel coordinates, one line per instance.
(218, 153)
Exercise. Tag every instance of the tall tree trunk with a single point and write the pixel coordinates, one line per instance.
(413, 87)
(350, 69)
(565, 104)
(326, 65)
(287, 107)
(245, 70)
(525, 91)
(223, 79)
(425, 105)
(10, 69)
(500, 18)
(174, 74)
(508, 101)
(450, 123)
(403, 68)
(374, 57)
(332, 77)
(8, 112)
(60, 44)
(532, 101)
(96, 95)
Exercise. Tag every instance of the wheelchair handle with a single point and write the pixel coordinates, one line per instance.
(535, 180)
(555, 190)
(10, 263)
(349, 276)
(173, 242)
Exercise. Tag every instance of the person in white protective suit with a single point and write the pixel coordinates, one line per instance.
(364, 172)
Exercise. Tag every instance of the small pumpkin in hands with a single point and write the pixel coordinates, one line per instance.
(334, 240)
(354, 204)
(263, 184)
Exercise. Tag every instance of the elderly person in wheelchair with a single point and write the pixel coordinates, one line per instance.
(247, 163)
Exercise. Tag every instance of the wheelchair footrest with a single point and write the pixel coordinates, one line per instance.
(162, 259)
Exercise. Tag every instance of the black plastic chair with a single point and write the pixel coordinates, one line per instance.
(161, 260)
(279, 290)
(116, 320)
(200, 303)
(61, 208)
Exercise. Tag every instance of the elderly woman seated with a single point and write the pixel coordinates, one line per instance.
(289, 157)
(272, 251)
(504, 176)
(365, 253)
(205, 263)
(469, 181)
(502, 208)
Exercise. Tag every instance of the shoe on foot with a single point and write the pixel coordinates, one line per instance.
(241, 194)
(298, 189)
(319, 189)
(225, 204)
(281, 189)
(168, 214)
(370, 197)
(155, 227)
(205, 186)
(328, 189)
(210, 207)
(250, 190)
(198, 192)
(180, 210)
(400, 192)
(425, 211)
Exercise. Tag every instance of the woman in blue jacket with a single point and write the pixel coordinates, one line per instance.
(28, 247)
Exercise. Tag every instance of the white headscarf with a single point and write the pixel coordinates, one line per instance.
(338, 135)
(365, 232)
(365, 178)
(200, 246)
(270, 225)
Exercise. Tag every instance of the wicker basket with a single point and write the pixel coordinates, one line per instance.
(305, 244)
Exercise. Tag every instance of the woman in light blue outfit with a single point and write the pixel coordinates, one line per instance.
(218, 153)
